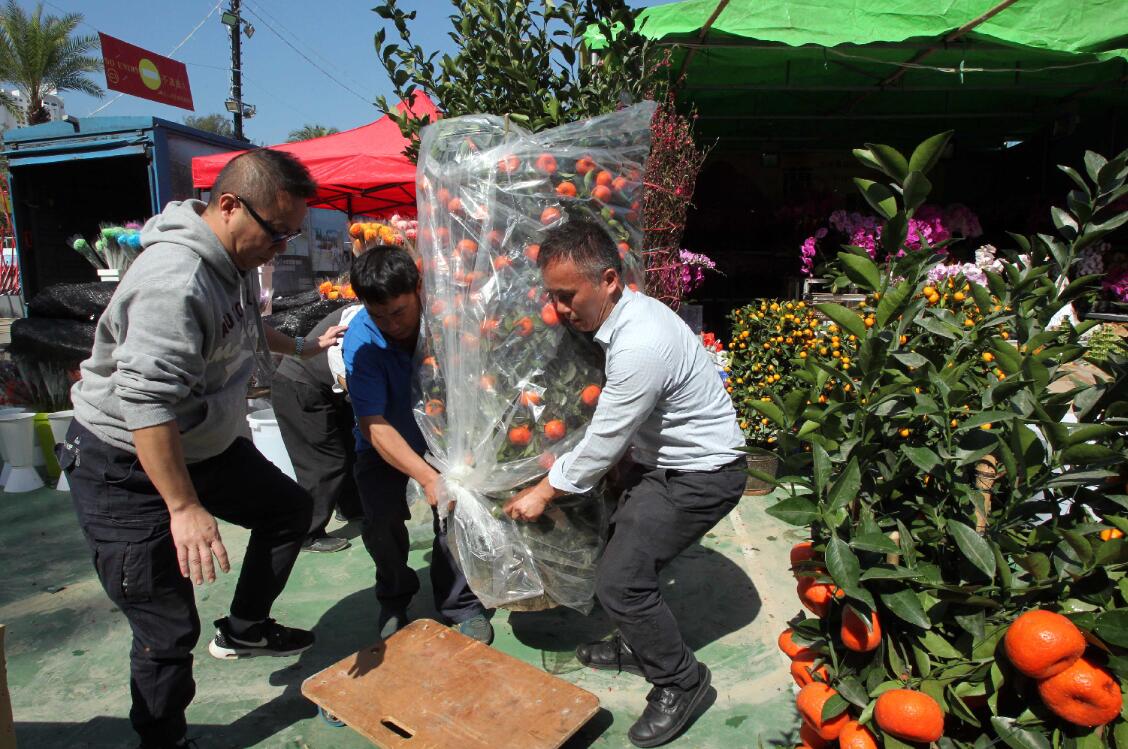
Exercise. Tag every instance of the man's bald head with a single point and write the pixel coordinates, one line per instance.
(261, 176)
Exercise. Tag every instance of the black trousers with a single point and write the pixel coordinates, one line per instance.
(659, 516)
(383, 495)
(317, 428)
(126, 523)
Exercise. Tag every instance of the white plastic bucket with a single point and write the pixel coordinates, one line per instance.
(17, 431)
(268, 439)
(60, 423)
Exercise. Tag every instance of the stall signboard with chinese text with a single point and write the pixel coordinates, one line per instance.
(138, 72)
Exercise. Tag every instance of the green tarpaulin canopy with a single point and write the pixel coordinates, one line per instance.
(896, 69)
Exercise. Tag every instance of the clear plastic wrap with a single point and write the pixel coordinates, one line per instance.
(505, 387)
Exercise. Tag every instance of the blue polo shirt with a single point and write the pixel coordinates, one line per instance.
(379, 379)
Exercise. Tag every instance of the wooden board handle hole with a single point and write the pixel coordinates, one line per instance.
(396, 728)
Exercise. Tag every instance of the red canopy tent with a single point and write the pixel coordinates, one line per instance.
(359, 171)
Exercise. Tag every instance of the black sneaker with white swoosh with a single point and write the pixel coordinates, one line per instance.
(265, 638)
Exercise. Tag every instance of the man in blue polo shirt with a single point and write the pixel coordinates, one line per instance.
(379, 352)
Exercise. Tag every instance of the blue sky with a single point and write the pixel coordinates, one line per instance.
(334, 87)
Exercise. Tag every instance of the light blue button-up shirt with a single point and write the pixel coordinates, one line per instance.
(663, 400)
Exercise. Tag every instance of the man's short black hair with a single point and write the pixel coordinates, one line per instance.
(585, 243)
(261, 175)
(383, 273)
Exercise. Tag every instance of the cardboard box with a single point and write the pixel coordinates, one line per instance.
(7, 730)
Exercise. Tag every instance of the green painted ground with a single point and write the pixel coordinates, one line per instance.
(67, 646)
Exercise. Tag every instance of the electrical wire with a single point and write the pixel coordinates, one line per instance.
(306, 57)
(344, 73)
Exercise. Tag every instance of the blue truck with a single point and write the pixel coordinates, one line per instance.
(67, 177)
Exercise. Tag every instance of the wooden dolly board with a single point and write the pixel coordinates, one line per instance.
(431, 687)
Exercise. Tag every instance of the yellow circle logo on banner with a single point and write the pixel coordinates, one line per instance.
(150, 76)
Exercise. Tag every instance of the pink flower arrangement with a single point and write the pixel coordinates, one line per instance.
(1115, 284)
(929, 226)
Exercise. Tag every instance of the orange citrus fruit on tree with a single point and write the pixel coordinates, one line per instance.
(546, 163)
(524, 327)
(1042, 643)
(1083, 694)
(811, 739)
(532, 251)
(816, 596)
(856, 635)
(548, 314)
(549, 215)
(529, 398)
(810, 702)
(909, 715)
(856, 736)
(1110, 533)
(434, 408)
(584, 164)
(589, 396)
(789, 647)
(520, 436)
(602, 193)
(567, 189)
(555, 430)
(803, 552)
(804, 672)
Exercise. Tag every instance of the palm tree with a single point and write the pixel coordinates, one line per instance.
(40, 55)
(212, 123)
(308, 132)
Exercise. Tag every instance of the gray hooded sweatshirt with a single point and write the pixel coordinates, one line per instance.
(176, 343)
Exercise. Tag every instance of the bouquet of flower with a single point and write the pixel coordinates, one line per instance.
(396, 231)
(505, 388)
(930, 226)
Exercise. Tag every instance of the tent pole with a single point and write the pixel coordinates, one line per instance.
(700, 38)
(952, 37)
(348, 204)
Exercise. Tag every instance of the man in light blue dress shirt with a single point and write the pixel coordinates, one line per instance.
(665, 404)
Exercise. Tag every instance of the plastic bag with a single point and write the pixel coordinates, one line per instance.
(72, 301)
(51, 339)
(506, 388)
(298, 321)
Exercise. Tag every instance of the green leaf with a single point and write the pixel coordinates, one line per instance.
(905, 605)
(834, 706)
(888, 573)
(1085, 453)
(770, 410)
(928, 153)
(794, 511)
(853, 691)
(938, 646)
(822, 467)
(861, 270)
(937, 327)
(974, 548)
(1079, 544)
(878, 542)
(841, 563)
(1112, 627)
(1037, 564)
(847, 318)
(922, 457)
(863, 155)
(892, 302)
(1076, 177)
(1066, 225)
(1093, 164)
(1015, 737)
(917, 188)
(910, 359)
(846, 488)
(881, 198)
(891, 160)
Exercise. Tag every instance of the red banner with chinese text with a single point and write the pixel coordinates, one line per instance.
(138, 72)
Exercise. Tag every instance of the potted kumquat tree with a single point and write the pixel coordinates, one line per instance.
(966, 501)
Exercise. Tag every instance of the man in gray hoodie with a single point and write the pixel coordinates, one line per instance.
(155, 453)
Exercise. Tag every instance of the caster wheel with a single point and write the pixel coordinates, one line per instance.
(330, 718)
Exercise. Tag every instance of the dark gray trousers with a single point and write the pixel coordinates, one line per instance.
(660, 514)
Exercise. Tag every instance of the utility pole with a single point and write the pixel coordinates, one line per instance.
(237, 72)
(234, 104)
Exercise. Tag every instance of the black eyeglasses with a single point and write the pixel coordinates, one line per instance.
(276, 237)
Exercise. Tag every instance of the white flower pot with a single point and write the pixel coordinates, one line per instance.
(3, 455)
(60, 423)
(17, 435)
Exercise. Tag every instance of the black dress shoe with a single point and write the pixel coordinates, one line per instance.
(667, 711)
(610, 655)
